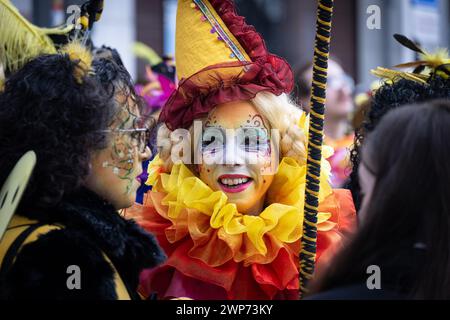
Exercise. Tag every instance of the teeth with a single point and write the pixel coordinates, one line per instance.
(234, 182)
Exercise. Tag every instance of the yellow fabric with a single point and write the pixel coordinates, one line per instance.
(196, 47)
(154, 169)
(121, 289)
(282, 218)
(19, 224)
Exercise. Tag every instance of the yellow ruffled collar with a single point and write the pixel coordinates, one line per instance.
(282, 219)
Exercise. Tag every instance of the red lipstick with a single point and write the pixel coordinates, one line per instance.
(234, 183)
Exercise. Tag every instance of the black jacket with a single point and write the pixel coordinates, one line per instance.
(91, 229)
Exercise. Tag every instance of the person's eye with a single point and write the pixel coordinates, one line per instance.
(248, 143)
(212, 145)
(208, 143)
(255, 144)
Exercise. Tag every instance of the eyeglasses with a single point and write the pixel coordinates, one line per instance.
(140, 136)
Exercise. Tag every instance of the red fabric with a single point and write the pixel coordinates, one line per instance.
(185, 276)
(196, 96)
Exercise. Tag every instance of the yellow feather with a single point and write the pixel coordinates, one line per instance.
(2, 78)
(437, 58)
(78, 52)
(64, 29)
(395, 75)
(20, 41)
(143, 51)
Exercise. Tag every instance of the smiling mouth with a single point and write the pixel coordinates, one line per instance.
(233, 183)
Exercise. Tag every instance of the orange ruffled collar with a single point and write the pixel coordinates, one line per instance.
(219, 232)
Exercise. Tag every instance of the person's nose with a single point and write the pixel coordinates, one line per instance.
(233, 157)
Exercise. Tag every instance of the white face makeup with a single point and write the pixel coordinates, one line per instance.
(236, 150)
(236, 146)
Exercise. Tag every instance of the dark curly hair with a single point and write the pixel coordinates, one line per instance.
(116, 79)
(389, 97)
(45, 109)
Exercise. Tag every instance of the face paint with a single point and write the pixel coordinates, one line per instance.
(123, 151)
(236, 148)
(116, 168)
(239, 146)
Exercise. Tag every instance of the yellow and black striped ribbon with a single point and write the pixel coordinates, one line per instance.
(315, 140)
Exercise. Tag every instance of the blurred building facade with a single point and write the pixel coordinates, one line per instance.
(362, 34)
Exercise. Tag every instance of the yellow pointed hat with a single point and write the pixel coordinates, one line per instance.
(199, 43)
(219, 59)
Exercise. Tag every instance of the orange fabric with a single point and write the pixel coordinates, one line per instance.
(210, 257)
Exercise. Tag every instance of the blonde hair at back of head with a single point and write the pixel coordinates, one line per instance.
(283, 115)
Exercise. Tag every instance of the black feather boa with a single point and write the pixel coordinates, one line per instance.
(91, 227)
